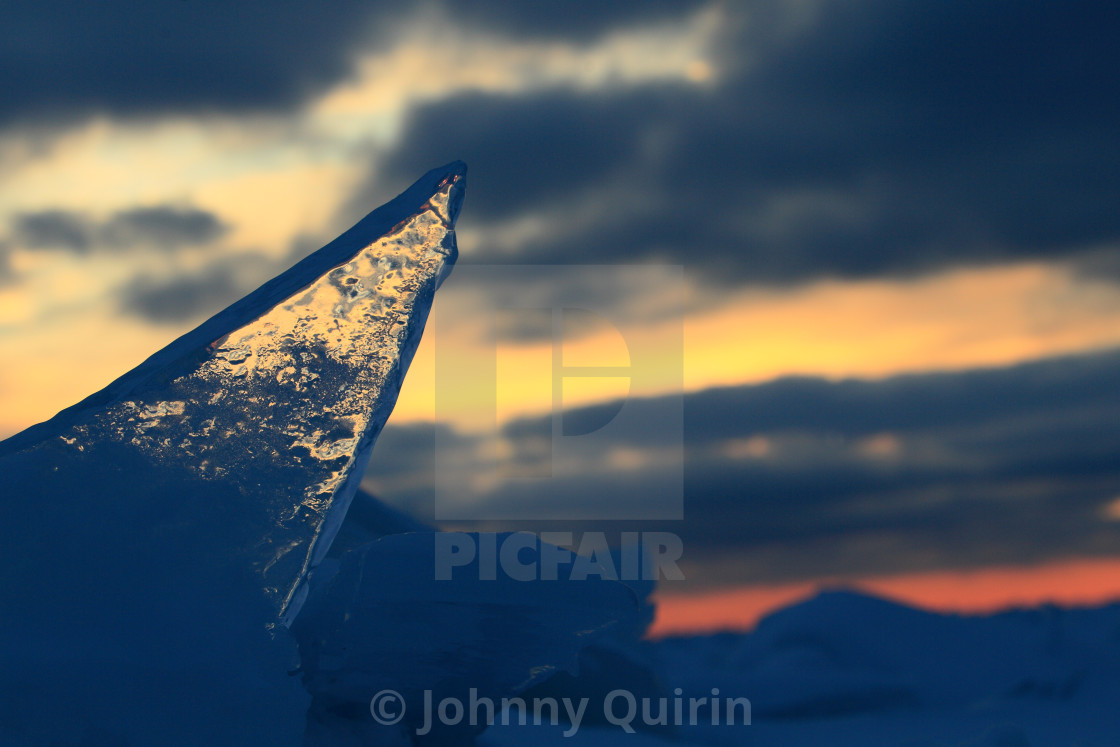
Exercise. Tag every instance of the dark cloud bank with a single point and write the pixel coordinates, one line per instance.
(913, 472)
(881, 138)
(63, 60)
(869, 138)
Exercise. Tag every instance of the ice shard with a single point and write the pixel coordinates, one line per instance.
(164, 519)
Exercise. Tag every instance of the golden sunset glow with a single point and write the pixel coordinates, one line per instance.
(997, 316)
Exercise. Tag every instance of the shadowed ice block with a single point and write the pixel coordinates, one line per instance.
(151, 534)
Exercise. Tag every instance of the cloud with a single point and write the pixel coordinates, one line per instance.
(801, 476)
(193, 295)
(912, 403)
(579, 21)
(1100, 263)
(64, 60)
(530, 150)
(827, 139)
(163, 226)
(866, 139)
(54, 229)
(7, 272)
(183, 298)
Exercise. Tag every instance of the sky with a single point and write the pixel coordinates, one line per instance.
(886, 233)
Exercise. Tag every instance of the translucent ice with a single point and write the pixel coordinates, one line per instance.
(151, 533)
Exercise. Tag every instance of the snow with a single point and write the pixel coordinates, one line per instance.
(848, 669)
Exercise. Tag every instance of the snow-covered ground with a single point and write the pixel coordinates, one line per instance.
(848, 669)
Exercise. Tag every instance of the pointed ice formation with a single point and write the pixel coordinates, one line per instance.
(282, 394)
(158, 524)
